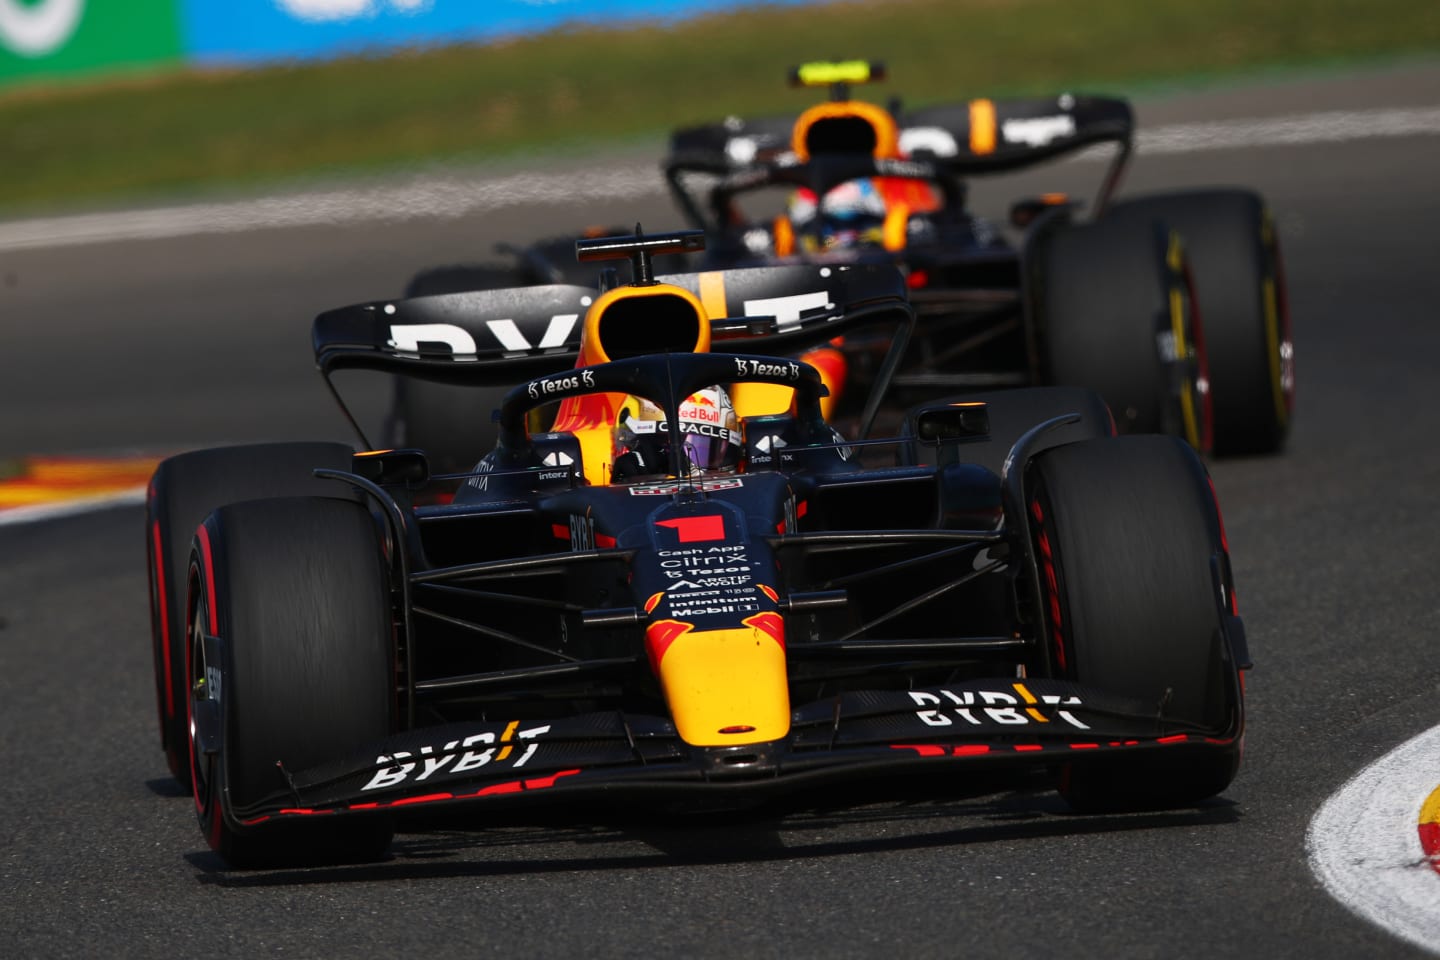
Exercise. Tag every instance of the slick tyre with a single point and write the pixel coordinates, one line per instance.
(1111, 310)
(452, 424)
(1239, 282)
(290, 665)
(1011, 414)
(1133, 561)
(183, 491)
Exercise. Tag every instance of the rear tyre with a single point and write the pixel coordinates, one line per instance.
(1231, 245)
(1112, 311)
(452, 424)
(298, 670)
(183, 490)
(1128, 536)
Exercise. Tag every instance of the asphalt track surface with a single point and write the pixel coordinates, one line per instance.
(167, 344)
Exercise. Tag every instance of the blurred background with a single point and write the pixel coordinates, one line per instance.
(121, 101)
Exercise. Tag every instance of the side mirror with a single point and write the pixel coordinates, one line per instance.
(955, 421)
(392, 467)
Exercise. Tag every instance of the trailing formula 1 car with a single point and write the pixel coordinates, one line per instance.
(1172, 306)
(690, 589)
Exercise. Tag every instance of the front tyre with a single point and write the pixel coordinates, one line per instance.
(1135, 565)
(291, 661)
(183, 490)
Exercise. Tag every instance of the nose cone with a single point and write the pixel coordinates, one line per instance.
(724, 687)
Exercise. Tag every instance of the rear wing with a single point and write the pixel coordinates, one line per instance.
(505, 337)
(733, 143)
(478, 337)
(995, 136)
(977, 138)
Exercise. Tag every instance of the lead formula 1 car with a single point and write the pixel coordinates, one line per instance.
(1172, 306)
(690, 590)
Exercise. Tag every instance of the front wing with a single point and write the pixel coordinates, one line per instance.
(850, 736)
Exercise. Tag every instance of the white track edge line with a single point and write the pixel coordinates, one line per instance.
(445, 197)
(15, 516)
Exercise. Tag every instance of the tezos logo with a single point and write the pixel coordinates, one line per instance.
(758, 368)
(38, 29)
(564, 384)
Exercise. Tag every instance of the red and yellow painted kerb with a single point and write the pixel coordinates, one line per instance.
(47, 481)
(1430, 828)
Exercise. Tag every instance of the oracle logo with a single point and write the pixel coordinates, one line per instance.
(38, 29)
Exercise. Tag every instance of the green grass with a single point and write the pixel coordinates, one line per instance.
(141, 138)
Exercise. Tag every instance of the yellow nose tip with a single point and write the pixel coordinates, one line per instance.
(726, 687)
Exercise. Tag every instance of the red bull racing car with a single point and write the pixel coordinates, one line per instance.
(688, 589)
(1172, 306)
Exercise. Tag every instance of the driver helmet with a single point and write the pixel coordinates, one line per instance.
(848, 216)
(709, 429)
